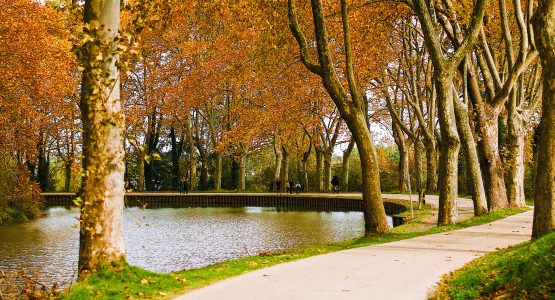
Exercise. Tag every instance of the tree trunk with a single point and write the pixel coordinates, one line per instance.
(473, 164)
(193, 174)
(374, 212)
(544, 210)
(203, 171)
(515, 153)
(327, 155)
(304, 175)
(242, 171)
(492, 167)
(141, 166)
(431, 168)
(102, 189)
(403, 165)
(449, 151)
(346, 166)
(175, 155)
(318, 187)
(285, 166)
(218, 171)
(43, 164)
(278, 162)
(67, 181)
(418, 171)
(193, 157)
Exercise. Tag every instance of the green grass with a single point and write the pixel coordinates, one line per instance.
(530, 201)
(525, 271)
(122, 281)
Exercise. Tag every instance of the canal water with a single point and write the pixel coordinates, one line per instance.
(166, 240)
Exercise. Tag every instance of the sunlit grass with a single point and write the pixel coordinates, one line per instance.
(525, 271)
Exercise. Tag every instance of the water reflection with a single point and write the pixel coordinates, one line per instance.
(167, 240)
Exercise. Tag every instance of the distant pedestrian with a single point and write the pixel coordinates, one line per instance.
(298, 187)
(335, 184)
(291, 186)
(278, 186)
(184, 188)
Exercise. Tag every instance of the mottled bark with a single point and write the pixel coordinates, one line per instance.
(285, 165)
(492, 167)
(544, 209)
(102, 190)
(515, 157)
(278, 161)
(472, 163)
(449, 151)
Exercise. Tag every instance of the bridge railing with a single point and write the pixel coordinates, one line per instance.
(284, 201)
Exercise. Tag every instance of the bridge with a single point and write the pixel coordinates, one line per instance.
(283, 201)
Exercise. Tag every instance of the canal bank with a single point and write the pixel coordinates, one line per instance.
(126, 281)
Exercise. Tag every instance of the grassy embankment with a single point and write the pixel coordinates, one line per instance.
(525, 271)
(122, 281)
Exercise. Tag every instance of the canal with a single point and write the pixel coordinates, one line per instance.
(165, 240)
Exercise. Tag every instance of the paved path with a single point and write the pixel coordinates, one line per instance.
(405, 269)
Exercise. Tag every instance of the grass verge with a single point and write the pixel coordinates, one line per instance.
(525, 271)
(122, 281)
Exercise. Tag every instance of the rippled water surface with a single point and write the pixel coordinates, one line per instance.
(167, 240)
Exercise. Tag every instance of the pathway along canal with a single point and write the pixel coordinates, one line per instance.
(166, 240)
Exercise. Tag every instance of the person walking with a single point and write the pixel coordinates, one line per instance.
(335, 184)
(184, 188)
(297, 187)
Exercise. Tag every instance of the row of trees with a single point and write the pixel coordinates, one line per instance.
(196, 91)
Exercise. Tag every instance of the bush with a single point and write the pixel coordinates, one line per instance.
(19, 194)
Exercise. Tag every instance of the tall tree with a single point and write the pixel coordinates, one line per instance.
(350, 105)
(102, 190)
(444, 72)
(544, 210)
